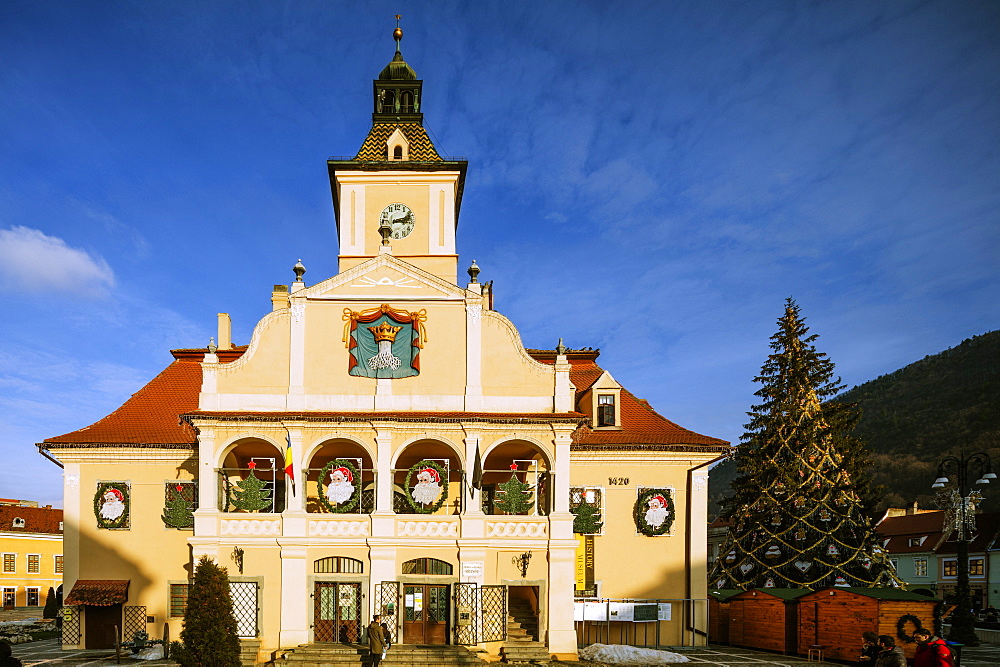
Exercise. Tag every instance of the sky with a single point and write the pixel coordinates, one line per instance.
(651, 179)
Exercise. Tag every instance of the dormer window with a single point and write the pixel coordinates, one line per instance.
(18, 522)
(916, 541)
(397, 153)
(606, 410)
(397, 147)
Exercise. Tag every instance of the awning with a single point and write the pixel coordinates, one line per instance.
(98, 592)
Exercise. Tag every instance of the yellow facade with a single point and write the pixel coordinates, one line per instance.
(31, 549)
(459, 401)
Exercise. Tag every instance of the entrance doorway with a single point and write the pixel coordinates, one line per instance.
(101, 622)
(425, 614)
(337, 612)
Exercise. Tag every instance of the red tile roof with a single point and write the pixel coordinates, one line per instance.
(36, 519)
(900, 529)
(98, 592)
(150, 416)
(512, 417)
(641, 424)
(987, 527)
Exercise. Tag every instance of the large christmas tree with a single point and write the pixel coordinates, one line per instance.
(802, 501)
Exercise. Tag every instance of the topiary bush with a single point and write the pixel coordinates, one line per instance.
(51, 605)
(209, 636)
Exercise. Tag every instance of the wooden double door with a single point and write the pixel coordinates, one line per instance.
(425, 614)
(337, 612)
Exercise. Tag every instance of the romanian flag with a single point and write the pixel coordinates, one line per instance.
(289, 471)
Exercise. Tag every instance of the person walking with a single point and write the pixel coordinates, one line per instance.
(931, 651)
(889, 654)
(6, 659)
(376, 640)
(870, 650)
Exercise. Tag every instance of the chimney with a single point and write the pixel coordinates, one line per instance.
(225, 332)
(279, 297)
(915, 509)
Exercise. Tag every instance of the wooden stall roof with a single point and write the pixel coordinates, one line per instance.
(875, 593)
(783, 593)
(723, 594)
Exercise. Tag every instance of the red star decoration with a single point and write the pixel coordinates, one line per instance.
(179, 488)
(513, 466)
(251, 465)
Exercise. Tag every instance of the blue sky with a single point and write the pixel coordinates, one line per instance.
(652, 179)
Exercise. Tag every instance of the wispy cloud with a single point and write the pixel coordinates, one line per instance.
(32, 261)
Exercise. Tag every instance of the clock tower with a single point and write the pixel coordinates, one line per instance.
(397, 195)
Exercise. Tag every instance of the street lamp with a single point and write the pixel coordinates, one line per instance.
(966, 473)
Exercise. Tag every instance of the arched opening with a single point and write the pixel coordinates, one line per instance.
(252, 478)
(517, 480)
(397, 153)
(427, 479)
(340, 479)
(388, 101)
(406, 102)
(426, 566)
(338, 565)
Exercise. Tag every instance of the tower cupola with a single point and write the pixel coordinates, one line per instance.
(397, 89)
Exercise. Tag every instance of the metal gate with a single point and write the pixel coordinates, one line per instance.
(337, 611)
(466, 614)
(387, 606)
(244, 595)
(493, 606)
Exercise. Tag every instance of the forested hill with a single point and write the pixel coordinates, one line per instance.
(943, 404)
(912, 418)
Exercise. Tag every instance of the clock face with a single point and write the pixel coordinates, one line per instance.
(399, 217)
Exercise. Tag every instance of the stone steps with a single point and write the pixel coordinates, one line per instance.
(400, 655)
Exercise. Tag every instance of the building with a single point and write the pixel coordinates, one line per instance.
(911, 537)
(987, 529)
(384, 444)
(32, 550)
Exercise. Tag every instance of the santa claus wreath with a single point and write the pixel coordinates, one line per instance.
(654, 512)
(431, 488)
(343, 486)
(111, 505)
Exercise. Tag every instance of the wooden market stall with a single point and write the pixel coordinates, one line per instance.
(718, 614)
(766, 619)
(835, 618)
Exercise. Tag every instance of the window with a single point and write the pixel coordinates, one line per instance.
(950, 568)
(605, 409)
(32, 597)
(9, 562)
(338, 565)
(593, 496)
(920, 567)
(916, 541)
(976, 567)
(34, 564)
(18, 522)
(426, 566)
(895, 563)
(8, 596)
(58, 564)
(397, 153)
(178, 599)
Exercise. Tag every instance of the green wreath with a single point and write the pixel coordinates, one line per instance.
(414, 469)
(352, 502)
(121, 523)
(901, 625)
(639, 512)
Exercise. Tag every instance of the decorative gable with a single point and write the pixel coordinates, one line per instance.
(397, 147)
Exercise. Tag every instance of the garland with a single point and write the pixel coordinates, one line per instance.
(642, 504)
(352, 502)
(901, 625)
(939, 610)
(121, 523)
(414, 469)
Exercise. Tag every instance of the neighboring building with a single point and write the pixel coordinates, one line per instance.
(433, 463)
(911, 537)
(31, 546)
(717, 531)
(987, 527)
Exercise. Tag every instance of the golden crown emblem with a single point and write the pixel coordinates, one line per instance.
(385, 331)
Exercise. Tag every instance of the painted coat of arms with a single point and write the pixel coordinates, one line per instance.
(384, 342)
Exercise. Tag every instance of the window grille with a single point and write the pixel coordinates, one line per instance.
(134, 621)
(244, 594)
(594, 496)
(387, 606)
(426, 566)
(71, 625)
(338, 565)
(494, 613)
(178, 599)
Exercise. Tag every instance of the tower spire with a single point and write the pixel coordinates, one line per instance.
(397, 34)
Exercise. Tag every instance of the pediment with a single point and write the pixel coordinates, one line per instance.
(384, 277)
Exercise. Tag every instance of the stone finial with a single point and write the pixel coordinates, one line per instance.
(560, 348)
(299, 270)
(212, 347)
(474, 272)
